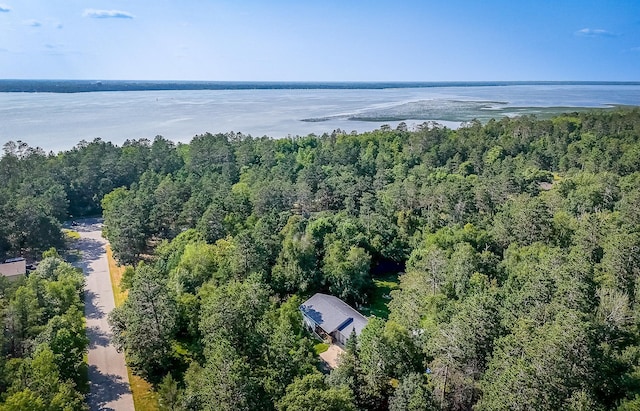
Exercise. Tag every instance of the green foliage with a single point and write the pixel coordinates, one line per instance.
(231, 312)
(169, 253)
(346, 270)
(348, 374)
(523, 220)
(320, 348)
(65, 336)
(169, 394)
(145, 325)
(412, 394)
(296, 266)
(126, 226)
(52, 252)
(515, 244)
(196, 266)
(44, 341)
(540, 367)
(378, 302)
(287, 353)
(23, 400)
(312, 393)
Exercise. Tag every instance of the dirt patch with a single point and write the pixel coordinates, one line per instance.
(331, 356)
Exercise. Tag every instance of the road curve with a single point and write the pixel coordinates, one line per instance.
(109, 383)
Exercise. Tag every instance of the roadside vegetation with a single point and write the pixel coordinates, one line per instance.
(144, 399)
(43, 343)
(70, 236)
(499, 262)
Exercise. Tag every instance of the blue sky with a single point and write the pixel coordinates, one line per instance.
(347, 40)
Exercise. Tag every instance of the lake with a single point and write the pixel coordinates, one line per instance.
(59, 120)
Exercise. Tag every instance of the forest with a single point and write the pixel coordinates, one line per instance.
(43, 343)
(514, 246)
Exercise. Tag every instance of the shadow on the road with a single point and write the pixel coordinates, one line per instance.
(91, 249)
(97, 337)
(91, 310)
(85, 224)
(105, 388)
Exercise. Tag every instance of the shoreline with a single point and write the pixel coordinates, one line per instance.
(90, 86)
(59, 121)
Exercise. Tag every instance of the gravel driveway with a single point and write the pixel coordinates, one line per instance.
(332, 356)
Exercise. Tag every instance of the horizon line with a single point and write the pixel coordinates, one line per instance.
(97, 79)
(88, 86)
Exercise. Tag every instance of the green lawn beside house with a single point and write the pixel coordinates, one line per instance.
(381, 296)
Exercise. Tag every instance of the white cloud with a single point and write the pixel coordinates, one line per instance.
(32, 23)
(594, 33)
(4, 8)
(107, 14)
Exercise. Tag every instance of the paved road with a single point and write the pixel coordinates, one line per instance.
(109, 383)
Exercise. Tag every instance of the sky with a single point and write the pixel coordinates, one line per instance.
(329, 40)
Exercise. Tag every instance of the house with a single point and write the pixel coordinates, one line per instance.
(13, 268)
(329, 316)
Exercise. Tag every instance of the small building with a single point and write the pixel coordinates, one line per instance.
(13, 268)
(331, 318)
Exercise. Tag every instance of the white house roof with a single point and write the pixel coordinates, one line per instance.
(13, 267)
(333, 314)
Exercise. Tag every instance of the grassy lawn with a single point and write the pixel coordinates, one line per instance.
(70, 254)
(144, 399)
(380, 298)
(116, 275)
(320, 348)
(70, 235)
(84, 370)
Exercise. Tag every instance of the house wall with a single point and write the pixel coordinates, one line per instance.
(339, 339)
(311, 326)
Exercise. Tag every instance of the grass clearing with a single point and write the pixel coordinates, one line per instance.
(116, 273)
(70, 253)
(84, 386)
(144, 398)
(381, 296)
(320, 348)
(70, 235)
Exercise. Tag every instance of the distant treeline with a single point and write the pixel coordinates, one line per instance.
(517, 243)
(81, 86)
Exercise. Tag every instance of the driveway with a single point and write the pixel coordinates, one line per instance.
(109, 383)
(331, 356)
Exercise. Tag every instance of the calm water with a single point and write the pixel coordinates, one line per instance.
(58, 121)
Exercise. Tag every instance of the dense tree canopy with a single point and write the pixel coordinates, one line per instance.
(43, 340)
(515, 244)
